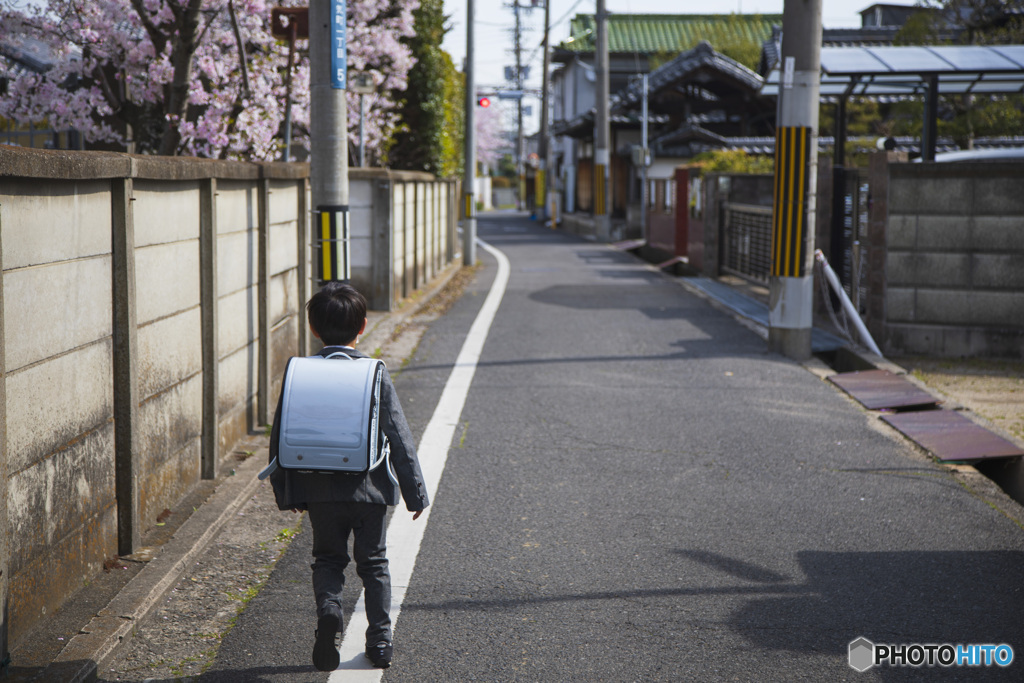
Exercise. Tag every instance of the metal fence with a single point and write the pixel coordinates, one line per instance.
(853, 218)
(747, 241)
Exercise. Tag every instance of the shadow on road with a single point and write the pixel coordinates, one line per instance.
(892, 597)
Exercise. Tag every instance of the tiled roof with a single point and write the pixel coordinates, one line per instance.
(654, 33)
(689, 62)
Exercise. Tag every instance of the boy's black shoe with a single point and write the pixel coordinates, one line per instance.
(380, 654)
(325, 652)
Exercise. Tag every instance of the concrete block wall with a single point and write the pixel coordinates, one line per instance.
(406, 223)
(954, 260)
(58, 515)
(131, 300)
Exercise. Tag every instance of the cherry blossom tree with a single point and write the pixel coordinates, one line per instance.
(490, 134)
(196, 77)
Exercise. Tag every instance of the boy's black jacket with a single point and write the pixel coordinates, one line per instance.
(293, 490)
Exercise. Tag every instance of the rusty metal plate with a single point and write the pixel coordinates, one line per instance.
(948, 436)
(878, 389)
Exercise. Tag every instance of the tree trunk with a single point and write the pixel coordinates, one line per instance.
(183, 51)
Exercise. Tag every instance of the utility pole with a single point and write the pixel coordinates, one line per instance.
(796, 163)
(645, 156)
(520, 145)
(602, 222)
(469, 154)
(544, 192)
(328, 167)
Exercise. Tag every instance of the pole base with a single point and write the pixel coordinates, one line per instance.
(792, 343)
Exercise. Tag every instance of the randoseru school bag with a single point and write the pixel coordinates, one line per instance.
(330, 416)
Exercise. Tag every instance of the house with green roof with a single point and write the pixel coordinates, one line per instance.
(637, 44)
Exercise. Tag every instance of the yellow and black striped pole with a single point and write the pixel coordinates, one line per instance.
(789, 215)
(791, 302)
(333, 243)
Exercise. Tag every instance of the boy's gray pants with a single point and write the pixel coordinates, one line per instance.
(331, 524)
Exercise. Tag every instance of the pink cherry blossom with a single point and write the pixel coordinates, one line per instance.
(114, 65)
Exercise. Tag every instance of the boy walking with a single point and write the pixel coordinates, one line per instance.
(339, 504)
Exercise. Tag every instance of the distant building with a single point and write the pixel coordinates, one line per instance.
(19, 56)
(635, 42)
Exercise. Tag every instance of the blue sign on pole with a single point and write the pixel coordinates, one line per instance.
(339, 53)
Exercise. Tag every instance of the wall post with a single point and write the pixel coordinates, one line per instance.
(381, 240)
(682, 211)
(126, 387)
(210, 447)
(712, 224)
(5, 531)
(263, 409)
(878, 218)
(302, 263)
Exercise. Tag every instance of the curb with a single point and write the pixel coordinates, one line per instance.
(112, 627)
(822, 370)
(384, 327)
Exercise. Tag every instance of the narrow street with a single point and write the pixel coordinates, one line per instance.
(638, 490)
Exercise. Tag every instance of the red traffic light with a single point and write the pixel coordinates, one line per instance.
(484, 102)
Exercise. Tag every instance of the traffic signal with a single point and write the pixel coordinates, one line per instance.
(483, 102)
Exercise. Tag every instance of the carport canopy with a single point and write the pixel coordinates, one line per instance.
(927, 71)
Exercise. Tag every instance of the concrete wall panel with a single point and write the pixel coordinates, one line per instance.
(977, 308)
(998, 196)
(54, 497)
(53, 220)
(999, 233)
(284, 201)
(900, 304)
(999, 271)
(237, 379)
(236, 207)
(53, 576)
(361, 222)
(282, 347)
(238, 318)
(237, 261)
(284, 247)
(165, 211)
(236, 404)
(926, 269)
(76, 299)
(170, 350)
(235, 426)
(283, 296)
(943, 233)
(167, 279)
(949, 340)
(171, 424)
(360, 194)
(56, 402)
(942, 195)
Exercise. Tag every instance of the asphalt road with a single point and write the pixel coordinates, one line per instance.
(639, 491)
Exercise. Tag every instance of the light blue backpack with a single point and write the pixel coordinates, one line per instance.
(330, 416)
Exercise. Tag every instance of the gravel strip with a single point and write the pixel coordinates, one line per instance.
(180, 640)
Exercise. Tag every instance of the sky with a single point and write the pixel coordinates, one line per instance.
(495, 21)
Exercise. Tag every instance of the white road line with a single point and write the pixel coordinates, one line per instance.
(405, 535)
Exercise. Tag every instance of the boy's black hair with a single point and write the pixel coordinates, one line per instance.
(336, 313)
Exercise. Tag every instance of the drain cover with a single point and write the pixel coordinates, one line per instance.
(877, 389)
(950, 436)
